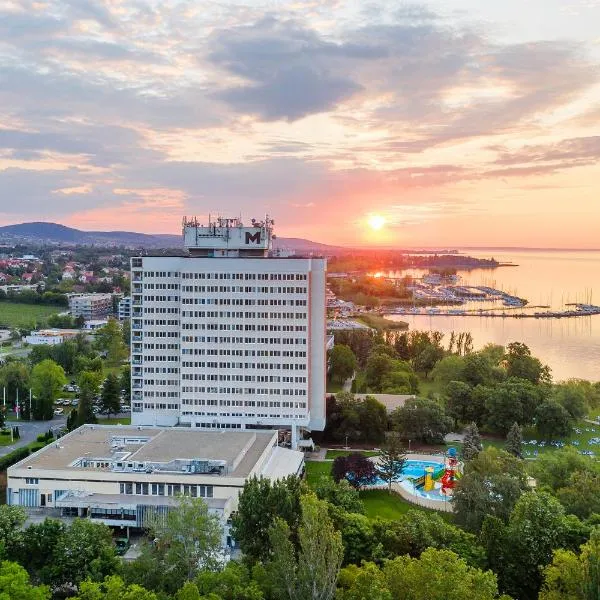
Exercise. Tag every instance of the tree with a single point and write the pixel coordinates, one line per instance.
(37, 548)
(125, 383)
(450, 368)
(391, 460)
(84, 551)
(491, 485)
(512, 401)
(356, 468)
(15, 584)
(311, 572)
(47, 381)
(438, 575)
(534, 531)
(552, 420)
(521, 364)
(110, 398)
(109, 339)
(14, 376)
(189, 539)
(581, 497)
(472, 442)
(459, 403)
(478, 369)
(514, 441)
(89, 383)
(113, 588)
(259, 504)
(373, 420)
(234, 582)
(421, 419)
(12, 519)
(572, 397)
(342, 362)
(360, 583)
(340, 494)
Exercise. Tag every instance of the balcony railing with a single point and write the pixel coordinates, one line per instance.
(137, 337)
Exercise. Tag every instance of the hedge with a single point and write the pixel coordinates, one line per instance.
(13, 457)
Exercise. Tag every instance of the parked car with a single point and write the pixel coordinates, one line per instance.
(59, 411)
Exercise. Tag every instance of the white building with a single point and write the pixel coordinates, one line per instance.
(229, 337)
(125, 308)
(50, 337)
(90, 306)
(121, 475)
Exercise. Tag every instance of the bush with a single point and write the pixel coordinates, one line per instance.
(13, 457)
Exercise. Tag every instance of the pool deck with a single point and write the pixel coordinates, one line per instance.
(419, 501)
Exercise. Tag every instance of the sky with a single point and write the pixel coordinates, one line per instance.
(446, 123)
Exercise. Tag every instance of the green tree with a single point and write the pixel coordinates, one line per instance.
(113, 588)
(438, 575)
(109, 339)
(260, 503)
(373, 420)
(472, 442)
(450, 368)
(37, 548)
(535, 529)
(14, 376)
(421, 419)
(47, 381)
(234, 582)
(512, 401)
(552, 420)
(479, 370)
(391, 460)
(311, 572)
(89, 384)
(110, 398)
(459, 402)
(572, 397)
(581, 497)
(521, 364)
(84, 551)
(342, 362)
(188, 539)
(15, 584)
(514, 441)
(12, 519)
(125, 383)
(362, 583)
(340, 494)
(491, 485)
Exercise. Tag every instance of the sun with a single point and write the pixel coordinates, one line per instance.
(376, 222)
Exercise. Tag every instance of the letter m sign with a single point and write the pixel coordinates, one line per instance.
(253, 237)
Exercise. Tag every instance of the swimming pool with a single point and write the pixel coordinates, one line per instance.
(414, 469)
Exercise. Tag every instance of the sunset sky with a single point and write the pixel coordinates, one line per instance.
(452, 122)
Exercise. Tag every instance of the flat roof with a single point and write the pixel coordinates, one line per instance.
(240, 449)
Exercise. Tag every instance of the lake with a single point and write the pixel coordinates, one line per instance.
(571, 347)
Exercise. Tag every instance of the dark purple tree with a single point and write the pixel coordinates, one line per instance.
(356, 468)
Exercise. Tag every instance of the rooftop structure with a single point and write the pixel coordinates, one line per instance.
(229, 238)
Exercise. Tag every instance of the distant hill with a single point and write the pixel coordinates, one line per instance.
(54, 233)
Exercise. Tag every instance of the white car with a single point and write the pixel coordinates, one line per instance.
(58, 411)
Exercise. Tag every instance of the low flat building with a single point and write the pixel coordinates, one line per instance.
(50, 337)
(124, 475)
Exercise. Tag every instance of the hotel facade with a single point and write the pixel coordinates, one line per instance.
(229, 336)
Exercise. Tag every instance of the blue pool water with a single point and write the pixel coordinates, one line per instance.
(413, 469)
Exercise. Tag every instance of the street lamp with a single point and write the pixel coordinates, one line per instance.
(346, 447)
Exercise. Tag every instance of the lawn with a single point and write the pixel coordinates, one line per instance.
(333, 387)
(579, 439)
(13, 314)
(115, 421)
(331, 454)
(381, 323)
(315, 470)
(380, 503)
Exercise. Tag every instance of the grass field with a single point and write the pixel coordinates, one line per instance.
(315, 470)
(13, 314)
(380, 503)
(333, 387)
(381, 323)
(331, 454)
(115, 421)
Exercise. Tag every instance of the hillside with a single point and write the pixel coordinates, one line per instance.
(54, 233)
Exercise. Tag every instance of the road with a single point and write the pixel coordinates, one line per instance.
(29, 431)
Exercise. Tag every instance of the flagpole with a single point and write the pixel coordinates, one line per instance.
(30, 415)
(17, 407)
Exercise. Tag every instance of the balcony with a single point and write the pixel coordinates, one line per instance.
(138, 337)
(137, 385)
(136, 326)
(136, 361)
(136, 300)
(137, 372)
(137, 396)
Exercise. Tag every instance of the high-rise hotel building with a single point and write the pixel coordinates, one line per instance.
(228, 336)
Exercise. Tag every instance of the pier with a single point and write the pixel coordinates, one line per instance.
(581, 310)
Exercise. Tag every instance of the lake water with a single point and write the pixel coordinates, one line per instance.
(571, 347)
